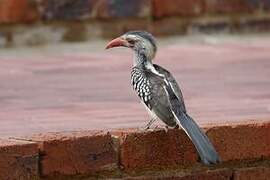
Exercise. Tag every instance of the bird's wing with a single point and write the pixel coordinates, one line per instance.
(175, 87)
(203, 145)
(158, 103)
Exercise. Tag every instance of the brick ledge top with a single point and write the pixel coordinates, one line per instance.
(129, 150)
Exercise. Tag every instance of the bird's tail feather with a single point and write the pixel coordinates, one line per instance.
(201, 142)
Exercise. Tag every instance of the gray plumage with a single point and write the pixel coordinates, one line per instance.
(145, 35)
(165, 100)
(159, 91)
(201, 142)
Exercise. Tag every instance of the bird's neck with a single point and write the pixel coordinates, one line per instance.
(141, 60)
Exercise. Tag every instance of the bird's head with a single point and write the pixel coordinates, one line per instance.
(140, 41)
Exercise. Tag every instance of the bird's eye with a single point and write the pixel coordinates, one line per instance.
(130, 41)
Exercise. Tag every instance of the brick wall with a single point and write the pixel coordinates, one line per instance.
(31, 11)
(133, 154)
(107, 18)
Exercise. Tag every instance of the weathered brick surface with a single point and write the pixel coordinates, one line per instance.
(65, 9)
(241, 142)
(161, 8)
(266, 4)
(18, 160)
(82, 9)
(231, 6)
(219, 174)
(254, 173)
(158, 148)
(142, 150)
(77, 153)
(131, 8)
(18, 11)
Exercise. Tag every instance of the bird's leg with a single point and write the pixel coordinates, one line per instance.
(152, 120)
(167, 128)
(176, 127)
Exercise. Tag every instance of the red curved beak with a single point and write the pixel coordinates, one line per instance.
(116, 43)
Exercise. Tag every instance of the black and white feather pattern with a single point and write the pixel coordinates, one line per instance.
(141, 85)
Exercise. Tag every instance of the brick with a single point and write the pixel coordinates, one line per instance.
(85, 152)
(258, 173)
(18, 159)
(230, 6)
(131, 8)
(65, 9)
(219, 174)
(156, 149)
(18, 11)
(84, 9)
(265, 4)
(161, 8)
(241, 142)
(168, 26)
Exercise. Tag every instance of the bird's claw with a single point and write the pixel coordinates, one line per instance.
(145, 129)
(148, 125)
(167, 128)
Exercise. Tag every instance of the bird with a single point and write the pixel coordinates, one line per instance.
(160, 93)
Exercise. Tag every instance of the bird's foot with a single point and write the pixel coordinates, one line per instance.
(143, 129)
(167, 128)
(148, 125)
(146, 128)
(157, 127)
(151, 129)
(176, 127)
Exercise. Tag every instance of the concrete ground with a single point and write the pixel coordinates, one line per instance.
(225, 80)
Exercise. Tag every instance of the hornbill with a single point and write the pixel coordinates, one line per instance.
(160, 93)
